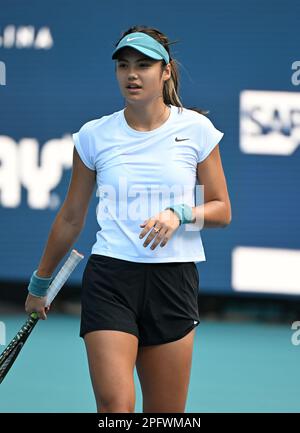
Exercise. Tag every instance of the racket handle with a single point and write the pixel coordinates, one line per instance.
(63, 275)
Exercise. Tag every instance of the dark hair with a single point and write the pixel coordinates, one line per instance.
(171, 86)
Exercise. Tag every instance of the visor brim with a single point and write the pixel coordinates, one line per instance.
(149, 53)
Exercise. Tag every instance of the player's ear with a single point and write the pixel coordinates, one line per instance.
(167, 72)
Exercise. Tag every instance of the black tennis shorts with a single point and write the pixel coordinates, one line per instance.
(156, 302)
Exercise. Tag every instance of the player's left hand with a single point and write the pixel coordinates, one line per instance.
(161, 227)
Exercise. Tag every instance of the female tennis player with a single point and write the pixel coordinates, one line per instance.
(140, 284)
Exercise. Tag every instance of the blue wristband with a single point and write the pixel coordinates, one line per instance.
(38, 286)
(184, 213)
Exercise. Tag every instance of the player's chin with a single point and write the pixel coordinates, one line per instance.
(138, 100)
(133, 97)
(133, 94)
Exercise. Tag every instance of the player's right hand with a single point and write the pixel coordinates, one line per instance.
(34, 304)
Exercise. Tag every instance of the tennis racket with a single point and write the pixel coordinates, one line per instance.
(11, 352)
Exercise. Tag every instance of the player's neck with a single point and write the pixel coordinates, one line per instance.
(148, 116)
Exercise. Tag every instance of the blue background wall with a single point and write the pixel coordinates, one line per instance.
(224, 48)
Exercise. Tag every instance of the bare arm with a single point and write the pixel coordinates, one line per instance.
(216, 208)
(70, 218)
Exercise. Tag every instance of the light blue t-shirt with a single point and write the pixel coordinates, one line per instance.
(139, 174)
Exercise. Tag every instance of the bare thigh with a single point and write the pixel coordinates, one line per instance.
(112, 356)
(164, 374)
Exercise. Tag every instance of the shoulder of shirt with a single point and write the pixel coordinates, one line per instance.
(194, 117)
(93, 124)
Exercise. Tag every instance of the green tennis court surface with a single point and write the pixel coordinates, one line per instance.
(237, 367)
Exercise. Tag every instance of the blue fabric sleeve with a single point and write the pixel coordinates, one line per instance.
(211, 136)
(82, 141)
